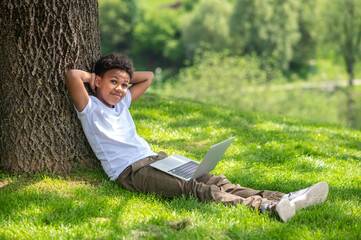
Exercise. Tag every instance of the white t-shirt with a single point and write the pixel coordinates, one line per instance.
(112, 135)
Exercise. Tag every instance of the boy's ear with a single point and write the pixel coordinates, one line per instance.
(97, 80)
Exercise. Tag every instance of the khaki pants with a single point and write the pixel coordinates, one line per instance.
(142, 177)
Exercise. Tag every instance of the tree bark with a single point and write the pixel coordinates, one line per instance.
(39, 42)
(349, 67)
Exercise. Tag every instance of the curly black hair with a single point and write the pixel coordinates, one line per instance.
(114, 61)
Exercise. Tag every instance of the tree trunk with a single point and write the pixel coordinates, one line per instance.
(349, 68)
(39, 41)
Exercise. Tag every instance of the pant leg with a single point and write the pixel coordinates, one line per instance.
(225, 185)
(142, 177)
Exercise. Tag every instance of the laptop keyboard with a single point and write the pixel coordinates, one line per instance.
(186, 170)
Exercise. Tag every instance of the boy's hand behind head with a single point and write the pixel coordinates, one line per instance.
(89, 83)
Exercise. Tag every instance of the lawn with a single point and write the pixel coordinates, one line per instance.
(269, 152)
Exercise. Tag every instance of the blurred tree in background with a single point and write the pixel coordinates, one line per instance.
(117, 21)
(244, 52)
(157, 38)
(305, 48)
(165, 33)
(207, 23)
(343, 24)
(268, 28)
(188, 5)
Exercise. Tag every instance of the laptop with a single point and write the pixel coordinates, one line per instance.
(186, 169)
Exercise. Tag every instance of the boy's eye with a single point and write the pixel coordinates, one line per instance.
(125, 85)
(113, 81)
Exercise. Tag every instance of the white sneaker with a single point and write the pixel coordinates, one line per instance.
(309, 196)
(282, 209)
(285, 209)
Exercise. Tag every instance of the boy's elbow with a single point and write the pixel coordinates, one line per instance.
(69, 74)
(69, 77)
(151, 77)
(148, 78)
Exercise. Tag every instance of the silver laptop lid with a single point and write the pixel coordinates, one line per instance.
(213, 156)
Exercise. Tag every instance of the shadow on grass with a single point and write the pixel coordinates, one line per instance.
(265, 140)
(290, 138)
(108, 203)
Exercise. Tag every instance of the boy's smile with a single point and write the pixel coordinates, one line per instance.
(112, 87)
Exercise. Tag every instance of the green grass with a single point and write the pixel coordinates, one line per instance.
(269, 152)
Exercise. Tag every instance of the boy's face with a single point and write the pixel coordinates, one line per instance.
(112, 87)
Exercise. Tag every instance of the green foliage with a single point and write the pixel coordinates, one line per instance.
(207, 23)
(285, 30)
(188, 5)
(267, 27)
(269, 152)
(305, 49)
(253, 83)
(116, 19)
(156, 36)
(221, 75)
(344, 29)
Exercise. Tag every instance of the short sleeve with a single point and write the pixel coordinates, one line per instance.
(87, 108)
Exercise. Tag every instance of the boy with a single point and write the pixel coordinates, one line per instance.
(125, 156)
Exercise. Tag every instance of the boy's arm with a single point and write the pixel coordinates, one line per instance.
(74, 81)
(140, 83)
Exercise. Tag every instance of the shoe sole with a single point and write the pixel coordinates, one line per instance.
(314, 195)
(285, 210)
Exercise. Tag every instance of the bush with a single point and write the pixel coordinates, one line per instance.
(252, 83)
(216, 75)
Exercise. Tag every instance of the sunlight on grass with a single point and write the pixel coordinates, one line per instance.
(269, 126)
(269, 152)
